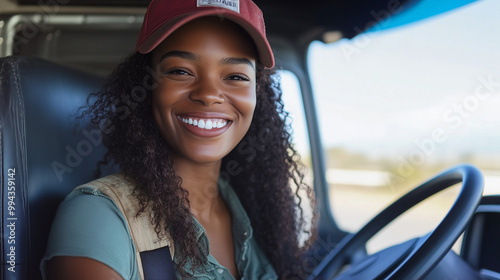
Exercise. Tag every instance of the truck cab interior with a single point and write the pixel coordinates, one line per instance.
(54, 53)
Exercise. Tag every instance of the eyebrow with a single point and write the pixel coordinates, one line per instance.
(237, 60)
(180, 54)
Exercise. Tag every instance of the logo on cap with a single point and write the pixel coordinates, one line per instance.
(233, 5)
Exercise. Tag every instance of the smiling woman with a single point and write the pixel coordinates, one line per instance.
(199, 84)
(205, 156)
(211, 82)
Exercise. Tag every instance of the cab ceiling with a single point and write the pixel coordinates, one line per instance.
(296, 20)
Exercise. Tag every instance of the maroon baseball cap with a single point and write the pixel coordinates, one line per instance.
(163, 17)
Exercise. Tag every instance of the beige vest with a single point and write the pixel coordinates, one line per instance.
(141, 230)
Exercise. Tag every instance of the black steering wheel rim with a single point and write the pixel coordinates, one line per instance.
(429, 252)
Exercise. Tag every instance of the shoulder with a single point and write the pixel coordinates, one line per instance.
(117, 188)
(121, 191)
(86, 205)
(92, 226)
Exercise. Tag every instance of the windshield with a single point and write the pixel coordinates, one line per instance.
(397, 106)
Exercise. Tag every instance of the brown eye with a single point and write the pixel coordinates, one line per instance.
(177, 72)
(238, 77)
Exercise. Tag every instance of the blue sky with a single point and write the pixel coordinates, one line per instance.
(382, 92)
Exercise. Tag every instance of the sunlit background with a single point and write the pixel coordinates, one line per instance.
(397, 106)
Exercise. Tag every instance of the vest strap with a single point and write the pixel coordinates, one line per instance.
(141, 230)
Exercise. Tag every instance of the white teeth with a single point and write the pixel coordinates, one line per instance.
(201, 124)
(205, 124)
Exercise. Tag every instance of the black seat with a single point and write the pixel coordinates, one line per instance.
(42, 156)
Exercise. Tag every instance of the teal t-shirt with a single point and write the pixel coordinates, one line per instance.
(89, 224)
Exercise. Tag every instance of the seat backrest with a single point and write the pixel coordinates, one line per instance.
(42, 156)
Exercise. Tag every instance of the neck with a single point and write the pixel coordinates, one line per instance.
(201, 181)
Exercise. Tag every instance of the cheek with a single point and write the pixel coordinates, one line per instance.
(165, 96)
(252, 101)
(157, 114)
(156, 106)
(161, 105)
(246, 102)
(162, 117)
(247, 109)
(246, 106)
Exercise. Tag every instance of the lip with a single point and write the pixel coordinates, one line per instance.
(214, 118)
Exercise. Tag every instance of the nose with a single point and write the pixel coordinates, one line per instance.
(207, 92)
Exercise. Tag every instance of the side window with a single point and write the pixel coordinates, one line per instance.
(292, 100)
(398, 106)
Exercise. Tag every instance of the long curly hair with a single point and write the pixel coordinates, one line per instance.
(267, 179)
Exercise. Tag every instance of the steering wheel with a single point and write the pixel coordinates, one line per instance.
(415, 258)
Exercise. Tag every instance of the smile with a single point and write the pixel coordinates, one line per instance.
(204, 123)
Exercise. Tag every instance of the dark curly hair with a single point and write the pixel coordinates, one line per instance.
(267, 179)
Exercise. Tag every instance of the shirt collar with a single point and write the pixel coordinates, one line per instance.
(241, 225)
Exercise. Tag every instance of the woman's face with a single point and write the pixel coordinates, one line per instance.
(206, 96)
